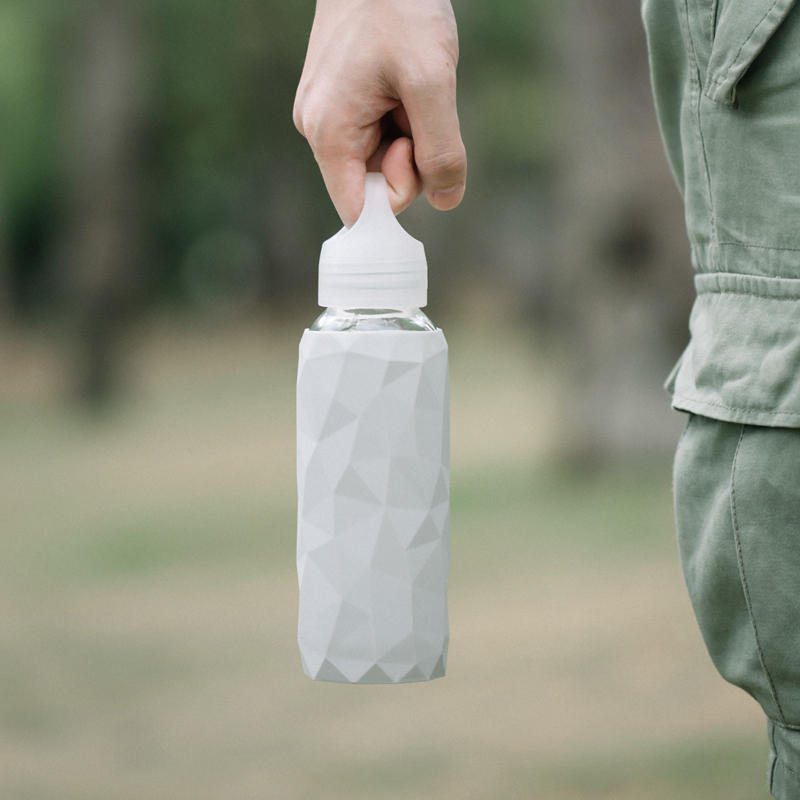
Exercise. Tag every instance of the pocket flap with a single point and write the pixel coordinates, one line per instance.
(742, 31)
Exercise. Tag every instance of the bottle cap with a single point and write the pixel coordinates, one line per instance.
(374, 263)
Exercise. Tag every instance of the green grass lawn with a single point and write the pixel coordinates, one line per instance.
(149, 601)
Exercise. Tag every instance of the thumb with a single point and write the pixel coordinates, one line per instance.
(397, 166)
(438, 149)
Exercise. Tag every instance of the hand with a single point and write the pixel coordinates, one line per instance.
(378, 91)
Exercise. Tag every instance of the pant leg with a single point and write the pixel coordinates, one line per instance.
(737, 510)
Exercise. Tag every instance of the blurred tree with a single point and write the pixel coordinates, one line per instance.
(149, 154)
(225, 158)
(103, 168)
(29, 157)
(5, 261)
(621, 257)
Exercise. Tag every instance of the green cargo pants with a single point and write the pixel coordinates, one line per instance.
(737, 509)
(726, 82)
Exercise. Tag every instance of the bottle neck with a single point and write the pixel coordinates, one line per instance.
(372, 319)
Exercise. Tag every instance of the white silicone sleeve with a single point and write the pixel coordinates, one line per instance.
(373, 505)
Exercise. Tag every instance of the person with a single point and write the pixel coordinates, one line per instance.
(726, 82)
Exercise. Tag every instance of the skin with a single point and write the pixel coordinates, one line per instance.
(378, 92)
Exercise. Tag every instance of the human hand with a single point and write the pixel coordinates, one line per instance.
(378, 92)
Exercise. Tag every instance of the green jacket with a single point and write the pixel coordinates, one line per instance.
(726, 79)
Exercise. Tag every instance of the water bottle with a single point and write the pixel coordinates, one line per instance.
(373, 461)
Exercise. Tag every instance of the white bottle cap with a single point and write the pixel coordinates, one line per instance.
(374, 263)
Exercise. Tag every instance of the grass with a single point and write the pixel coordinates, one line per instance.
(148, 606)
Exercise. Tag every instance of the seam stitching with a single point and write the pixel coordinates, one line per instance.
(732, 62)
(712, 18)
(684, 398)
(756, 246)
(743, 578)
(754, 295)
(698, 129)
(785, 725)
(774, 763)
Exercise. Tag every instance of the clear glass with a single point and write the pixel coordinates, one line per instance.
(372, 319)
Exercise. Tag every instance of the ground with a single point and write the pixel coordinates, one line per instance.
(148, 600)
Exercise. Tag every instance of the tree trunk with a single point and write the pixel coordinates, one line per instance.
(104, 236)
(623, 275)
(6, 300)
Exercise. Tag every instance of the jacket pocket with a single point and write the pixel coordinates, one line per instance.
(704, 463)
(743, 29)
(765, 508)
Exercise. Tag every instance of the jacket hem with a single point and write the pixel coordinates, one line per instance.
(742, 363)
(725, 413)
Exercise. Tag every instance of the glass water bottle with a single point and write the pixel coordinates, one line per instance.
(373, 461)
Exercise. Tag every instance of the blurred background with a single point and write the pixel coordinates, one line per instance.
(160, 223)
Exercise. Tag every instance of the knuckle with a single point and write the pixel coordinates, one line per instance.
(428, 78)
(446, 166)
(297, 117)
(309, 113)
(324, 143)
(309, 122)
(302, 114)
(322, 127)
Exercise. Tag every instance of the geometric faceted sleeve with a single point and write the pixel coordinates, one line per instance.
(373, 505)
